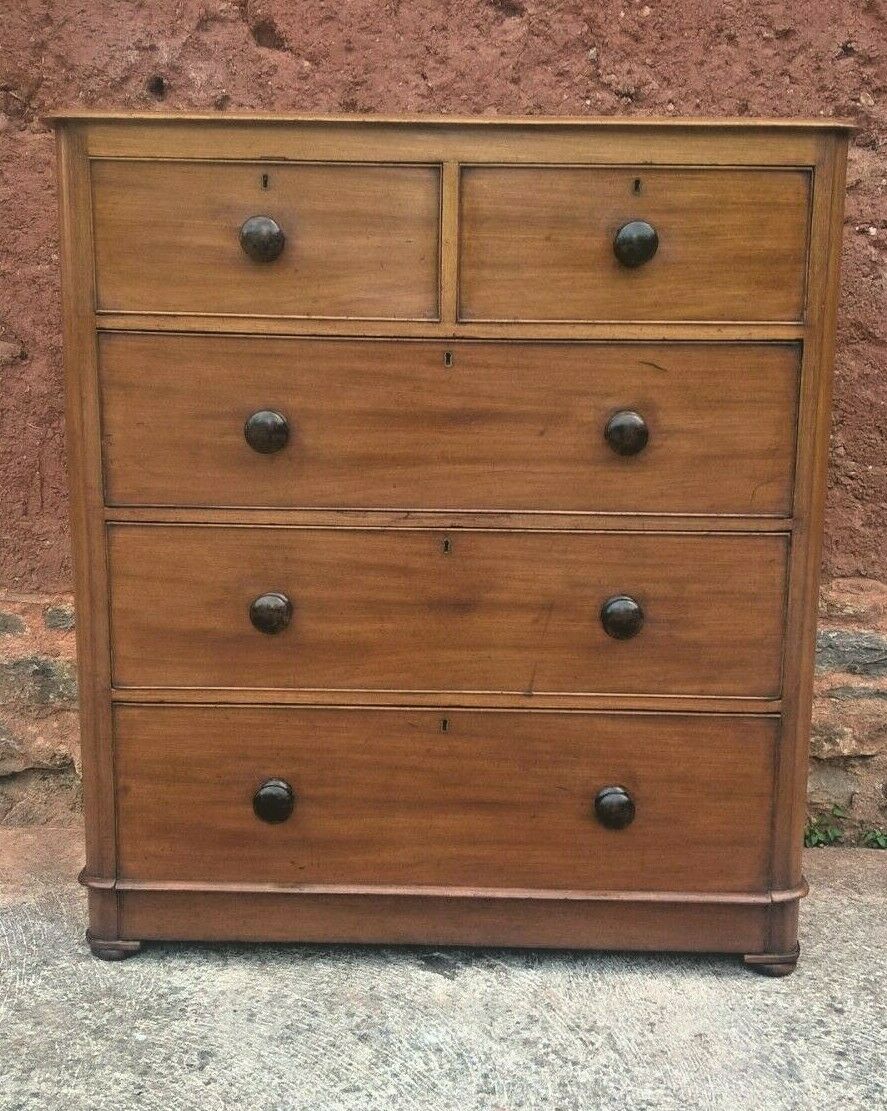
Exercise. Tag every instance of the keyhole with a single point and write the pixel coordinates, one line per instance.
(264, 181)
(448, 358)
(637, 185)
(446, 546)
(444, 725)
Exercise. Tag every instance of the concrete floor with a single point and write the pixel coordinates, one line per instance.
(340, 1028)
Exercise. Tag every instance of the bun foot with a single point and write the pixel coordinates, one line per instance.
(773, 964)
(112, 950)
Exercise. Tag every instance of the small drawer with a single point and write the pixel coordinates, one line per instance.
(285, 422)
(578, 801)
(427, 610)
(355, 241)
(622, 243)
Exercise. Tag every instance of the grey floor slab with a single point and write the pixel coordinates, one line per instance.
(317, 1027)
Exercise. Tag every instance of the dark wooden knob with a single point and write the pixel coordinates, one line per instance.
(274, 801)
(271, 613)
(626, 432)
(262, 238)
(621, 617)
(614, 807)
(635, 243)
(266, 431)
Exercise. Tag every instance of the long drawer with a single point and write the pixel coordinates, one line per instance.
(488, 426)
(467, 610)
(358, 241)
(542, 243)
(493, 799)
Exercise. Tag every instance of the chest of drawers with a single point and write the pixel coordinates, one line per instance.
(446, 502)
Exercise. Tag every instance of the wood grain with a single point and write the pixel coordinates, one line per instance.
(469, 700)
(498, 800)
(515, 612)
(259, 324)
(814, 426)
(220, 916)
(537, 244)
(82, 423)
(383, 425)
(365, 121)
(362, 241)
(622, 141)
(410, 519)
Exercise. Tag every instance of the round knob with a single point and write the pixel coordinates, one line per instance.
(262, 238)
(266, 431)
(635, 243)
(271, 613)
(627, 432)
(614, 807)
(274, 801)
(621, 617)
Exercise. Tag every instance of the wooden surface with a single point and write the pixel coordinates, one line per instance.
(362, 241)
(413, 238)
(504, 427)
(501, 612)
(754, 124)
(646, 141)
(814, 424)
(662, 331)
(420, 920)
(83, 447)
(499, 800)
(449, 519)
(537, 244)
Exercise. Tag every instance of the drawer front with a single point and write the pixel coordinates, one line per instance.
(402, 610)
(361, 241)
(389, 425)
(500, 799)
(537, 243)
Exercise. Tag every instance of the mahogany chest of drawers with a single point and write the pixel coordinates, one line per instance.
(447, 501)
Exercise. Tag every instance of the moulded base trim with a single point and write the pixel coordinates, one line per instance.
(728, 927)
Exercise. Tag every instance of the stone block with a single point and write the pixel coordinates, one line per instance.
(38, 681)
(854, 651)
(59, 617)
(11, 624)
